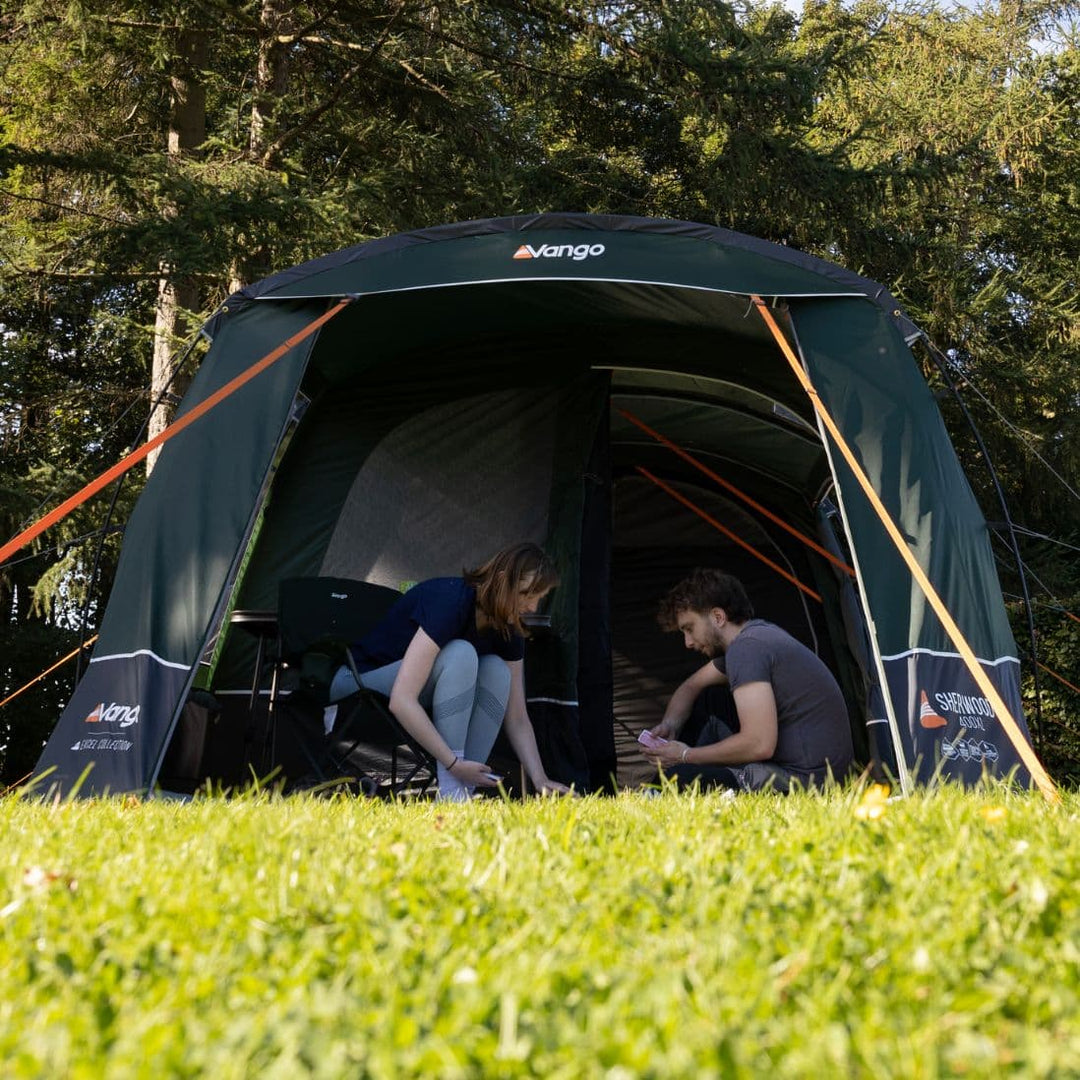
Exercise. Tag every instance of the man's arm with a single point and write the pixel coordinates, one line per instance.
(754, 741)
(682, 701)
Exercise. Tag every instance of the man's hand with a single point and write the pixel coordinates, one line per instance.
(666, 729)
(682, 701)
(667, 753)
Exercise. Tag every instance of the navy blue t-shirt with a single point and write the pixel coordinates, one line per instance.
(445, 609)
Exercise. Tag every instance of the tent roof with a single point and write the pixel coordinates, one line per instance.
(629, 250)
(662, 304)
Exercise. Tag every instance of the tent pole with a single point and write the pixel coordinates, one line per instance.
(1001, 710)
(728, 486)
(906, 784)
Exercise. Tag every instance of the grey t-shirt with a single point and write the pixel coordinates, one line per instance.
(811, 715)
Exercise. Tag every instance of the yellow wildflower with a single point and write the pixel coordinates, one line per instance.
(873, 803)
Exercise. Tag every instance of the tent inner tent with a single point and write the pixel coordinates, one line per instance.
(607, 387)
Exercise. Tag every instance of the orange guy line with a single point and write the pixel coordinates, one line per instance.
(48, 671)
(1059, 678)
(175, 428)
(1001, 710)
(727, 485)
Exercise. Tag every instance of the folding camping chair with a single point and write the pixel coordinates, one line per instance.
(318, 617)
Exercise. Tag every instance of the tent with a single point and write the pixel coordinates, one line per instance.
(619, 389)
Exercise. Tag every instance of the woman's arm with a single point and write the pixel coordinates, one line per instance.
(519, 731)
(415, 668)
(413, 674)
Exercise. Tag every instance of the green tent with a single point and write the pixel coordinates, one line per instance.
(603, 385)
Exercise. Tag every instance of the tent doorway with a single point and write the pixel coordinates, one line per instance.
(664, 516)
(393, 480)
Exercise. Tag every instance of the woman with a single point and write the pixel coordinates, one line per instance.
(449, 654)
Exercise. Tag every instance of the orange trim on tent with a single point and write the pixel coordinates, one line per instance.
(728, 533)
(727, 485)
(1001, 710)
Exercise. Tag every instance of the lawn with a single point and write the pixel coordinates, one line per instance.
(828, 935)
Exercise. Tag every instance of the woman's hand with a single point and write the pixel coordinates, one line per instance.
(546, 786)
(474, 773)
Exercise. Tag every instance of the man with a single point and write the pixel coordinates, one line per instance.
(792, 724)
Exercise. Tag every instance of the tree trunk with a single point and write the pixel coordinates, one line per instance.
(178, 295)
(271, 78)
(271, 83)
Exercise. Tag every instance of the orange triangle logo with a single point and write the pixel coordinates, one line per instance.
(95, 716)
(927, 717)
(523, 252)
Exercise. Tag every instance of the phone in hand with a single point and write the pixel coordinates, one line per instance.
(651, 741)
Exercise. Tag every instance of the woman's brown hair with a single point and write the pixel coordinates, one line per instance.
(499, 583)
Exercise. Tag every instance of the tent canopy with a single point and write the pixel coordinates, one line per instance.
(483, 387)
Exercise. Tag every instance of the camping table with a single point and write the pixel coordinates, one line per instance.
(263, 626)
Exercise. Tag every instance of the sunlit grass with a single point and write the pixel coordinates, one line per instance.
(828, 935)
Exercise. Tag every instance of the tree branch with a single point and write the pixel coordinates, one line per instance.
(61, 206)
(296, 130)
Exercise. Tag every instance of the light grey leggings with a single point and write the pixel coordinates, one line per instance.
(465, 695)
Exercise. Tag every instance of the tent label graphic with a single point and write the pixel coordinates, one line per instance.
(973, 713)
(103, 745)
(122, 715)
(927, 717)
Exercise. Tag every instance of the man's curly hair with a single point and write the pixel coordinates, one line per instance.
(702, 591)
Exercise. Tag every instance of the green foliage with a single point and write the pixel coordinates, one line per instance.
(678, 936)
(971, 133)
(1057, 680)
(28, 649)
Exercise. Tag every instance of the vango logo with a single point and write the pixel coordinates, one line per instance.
(577, 252)
(124, 715)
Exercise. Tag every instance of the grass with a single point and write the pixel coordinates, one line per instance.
(674, 936)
